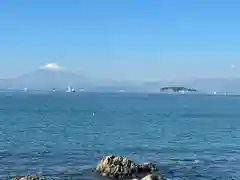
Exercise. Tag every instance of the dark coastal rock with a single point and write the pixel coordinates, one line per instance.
(26, 178)
(122, 167)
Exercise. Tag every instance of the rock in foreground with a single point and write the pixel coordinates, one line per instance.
(153, 177)
(122, 167)
(26, 178)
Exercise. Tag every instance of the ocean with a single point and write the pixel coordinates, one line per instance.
(64, 135)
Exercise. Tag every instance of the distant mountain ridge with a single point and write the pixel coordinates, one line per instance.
(45, 79)
(49, 78)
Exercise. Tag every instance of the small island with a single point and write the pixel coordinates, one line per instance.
(177, 89)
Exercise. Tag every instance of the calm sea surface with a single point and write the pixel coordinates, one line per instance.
(64, 135)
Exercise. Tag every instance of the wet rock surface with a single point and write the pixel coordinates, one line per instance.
(26, 178)
(153, 177)
(122, 167)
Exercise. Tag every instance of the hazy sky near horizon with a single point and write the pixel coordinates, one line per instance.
(125, 39)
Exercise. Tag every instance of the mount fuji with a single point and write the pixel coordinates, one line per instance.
(47, 77)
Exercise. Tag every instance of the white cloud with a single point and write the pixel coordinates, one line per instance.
(52, 66)
(233, 65)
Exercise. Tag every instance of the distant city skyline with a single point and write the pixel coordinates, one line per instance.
(122, 40)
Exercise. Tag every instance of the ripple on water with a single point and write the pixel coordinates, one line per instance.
(56, 135)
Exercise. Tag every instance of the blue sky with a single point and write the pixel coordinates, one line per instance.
(125, 40)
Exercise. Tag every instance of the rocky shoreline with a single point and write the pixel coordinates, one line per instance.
(117, 167)
(27, 178)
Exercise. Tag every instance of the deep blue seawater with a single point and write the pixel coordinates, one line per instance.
(64, 135)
